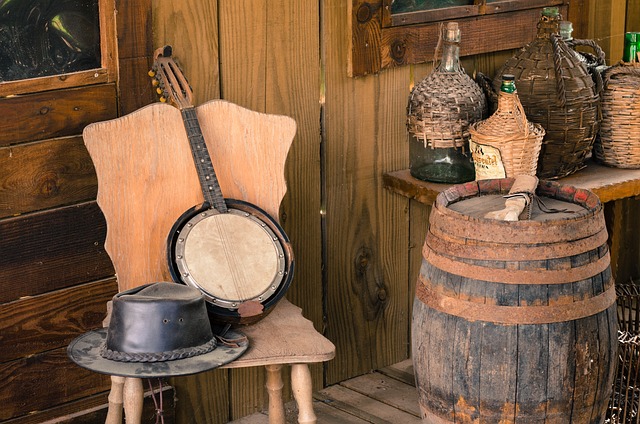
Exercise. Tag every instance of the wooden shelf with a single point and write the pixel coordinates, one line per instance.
(607, 183)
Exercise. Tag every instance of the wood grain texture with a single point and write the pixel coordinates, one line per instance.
(93, 409)
(284, 337)
(270, 64)
(366, 226)
(479, 35)
(44, 175)
(53, 249)
(191, 28)
(134, 28)
(135, 82)
(28, 384)
(243, 52)
(633, 16)
(54, 114)
(607, 26)
(45, 322)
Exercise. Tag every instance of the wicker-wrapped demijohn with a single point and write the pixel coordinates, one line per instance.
(506, 144)
(557, 92)
(618, 144)
(439, 112)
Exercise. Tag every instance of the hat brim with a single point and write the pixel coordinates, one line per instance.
(85, 351)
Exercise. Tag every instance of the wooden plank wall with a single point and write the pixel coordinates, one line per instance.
(357, 245)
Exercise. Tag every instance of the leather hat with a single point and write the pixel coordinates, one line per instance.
(157, 330)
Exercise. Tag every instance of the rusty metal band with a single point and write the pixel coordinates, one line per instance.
(537, 314)
(518, 232)
(431, 418)
(468, 248)
(515, 276)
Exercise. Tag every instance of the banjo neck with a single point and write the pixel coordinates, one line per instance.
(204, 167)
(175, 88)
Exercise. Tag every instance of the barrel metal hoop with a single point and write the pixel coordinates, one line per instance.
(512, 315)
(519, 232)
(474, 249)
(516, 276)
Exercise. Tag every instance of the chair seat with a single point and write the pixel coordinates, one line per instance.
(283, 337)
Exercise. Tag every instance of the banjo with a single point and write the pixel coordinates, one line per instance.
(234, 252)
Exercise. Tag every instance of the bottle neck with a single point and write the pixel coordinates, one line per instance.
(548, 25)
(450, 61)
(508, 87)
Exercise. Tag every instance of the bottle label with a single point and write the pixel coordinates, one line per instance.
(487, 161)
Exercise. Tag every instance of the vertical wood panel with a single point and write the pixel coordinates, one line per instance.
(633, 15)
(270, 63)
(243, 58)
(366, 226)
(606, 26)
(243, 51)
(191, 28)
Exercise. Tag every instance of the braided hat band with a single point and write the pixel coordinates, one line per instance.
(183, 353)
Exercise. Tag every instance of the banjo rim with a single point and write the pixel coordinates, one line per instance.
(228, 307)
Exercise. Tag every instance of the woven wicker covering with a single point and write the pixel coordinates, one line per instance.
(508, 130)
(619, 141)
(624, 404)
(441, 108)
(557, 92)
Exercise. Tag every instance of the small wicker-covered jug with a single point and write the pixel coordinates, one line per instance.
(439, 112)
(557, 92)
(506, 145)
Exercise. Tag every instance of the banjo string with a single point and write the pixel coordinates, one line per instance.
(237, 276)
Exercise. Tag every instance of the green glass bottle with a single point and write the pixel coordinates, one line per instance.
(508, 84)
(631, 40)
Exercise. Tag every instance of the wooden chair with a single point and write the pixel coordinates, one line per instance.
(147, 179)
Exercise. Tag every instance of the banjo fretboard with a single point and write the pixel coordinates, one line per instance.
(208, 181)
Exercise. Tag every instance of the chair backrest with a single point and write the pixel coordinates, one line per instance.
(147, 178)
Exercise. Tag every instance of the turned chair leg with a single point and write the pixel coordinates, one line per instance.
(302, 388)
(133, 399)
(114, 413)
(274, 388)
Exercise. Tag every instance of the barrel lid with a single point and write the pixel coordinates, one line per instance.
(461, 209)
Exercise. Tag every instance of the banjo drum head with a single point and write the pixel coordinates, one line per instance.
(231, 257)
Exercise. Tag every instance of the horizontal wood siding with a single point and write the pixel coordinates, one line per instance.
(55, 114)
(45, 174)
(41, 323)
(51, 250)
(42, 381)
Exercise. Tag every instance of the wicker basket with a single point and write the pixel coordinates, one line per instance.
(619, 141)
(625, 399)
(558, 93)
(508, 130)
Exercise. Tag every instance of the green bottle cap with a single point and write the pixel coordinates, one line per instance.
(551, 12)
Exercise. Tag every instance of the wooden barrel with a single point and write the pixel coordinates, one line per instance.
(514, 322)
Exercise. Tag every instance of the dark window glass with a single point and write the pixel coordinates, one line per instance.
(403, 6)
(48, 37)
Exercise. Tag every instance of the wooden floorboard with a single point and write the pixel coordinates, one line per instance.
(386, 396)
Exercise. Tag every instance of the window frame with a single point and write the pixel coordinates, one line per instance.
(381, 40)
(106, 73)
